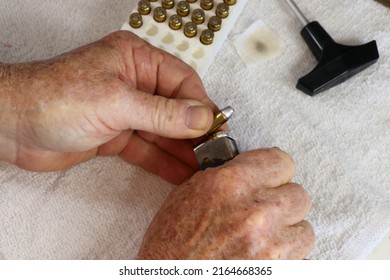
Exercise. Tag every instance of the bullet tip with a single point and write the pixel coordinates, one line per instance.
(227, 112)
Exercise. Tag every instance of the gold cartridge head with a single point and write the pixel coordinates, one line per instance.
(207, 4)
(230, 2)
(198, 16)
(190, 29)
(159, 14)
(191, 1)
(168, 4)
(135, 20)
(144, 7)
(183, 8)
(215, 23)
(206, 37)
(175, 22)
(222, 10)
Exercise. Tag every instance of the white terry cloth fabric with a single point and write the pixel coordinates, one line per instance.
(339, 139)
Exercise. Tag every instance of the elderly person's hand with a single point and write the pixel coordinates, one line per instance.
(245, 209)
(117, 96)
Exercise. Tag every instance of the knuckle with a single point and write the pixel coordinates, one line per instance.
(163, 114)
(308, 233)
(298, 194)
(228, 180)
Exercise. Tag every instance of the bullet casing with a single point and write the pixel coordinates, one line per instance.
(230, 2)
(219, 119)
(190, 29)
(207, 37)
(198, 16)
(215, 23)
(183, 8)
(207, 4)
(167, 4)
(222, 10)
(175, 22)
(159, 14)
(135, 20)
(144, 7)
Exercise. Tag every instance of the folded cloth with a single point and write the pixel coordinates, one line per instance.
(339, 139)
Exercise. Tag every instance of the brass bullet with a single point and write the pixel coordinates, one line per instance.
(175, 22)
(230, 2)
(159, 14)
(135, 20)
(190, 29)
(183, 8)
(144, 7)
(207, 36)
(215, 23)
(222, 10)
(191, 1)
(167, 4)
(220, 118)
(198, 16)
(207, 4)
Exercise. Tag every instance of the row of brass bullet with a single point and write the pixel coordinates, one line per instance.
(198, 17)
(183, 8)
(205, 4)
(175, 23)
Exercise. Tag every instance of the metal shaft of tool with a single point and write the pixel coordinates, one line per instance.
(298, 13)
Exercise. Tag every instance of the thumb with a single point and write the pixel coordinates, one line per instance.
(173, 118)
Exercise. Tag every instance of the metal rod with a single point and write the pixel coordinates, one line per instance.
(298, 13)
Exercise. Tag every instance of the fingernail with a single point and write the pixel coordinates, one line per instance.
(197, 117)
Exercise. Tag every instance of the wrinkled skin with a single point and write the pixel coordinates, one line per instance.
(117, 96)
(121, 96)
(245, 209)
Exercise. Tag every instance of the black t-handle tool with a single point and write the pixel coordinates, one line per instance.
(336, 62)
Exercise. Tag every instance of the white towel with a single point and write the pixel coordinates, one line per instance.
(339, 139)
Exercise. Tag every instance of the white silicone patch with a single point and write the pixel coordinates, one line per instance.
(190, 50)
(257, 43)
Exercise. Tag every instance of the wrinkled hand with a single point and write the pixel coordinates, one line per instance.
(245, 209)
(117, 96)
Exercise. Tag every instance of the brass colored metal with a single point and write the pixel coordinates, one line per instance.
(191, 1)
(175, 22)
(152, 0)
(215, 23)
(190, 29)
(144, 7)
(183, 8)
(198, 16)
(159, 14)
(222, 10)
(168, 4)
(135, 20)
(207, 36)
(207, 4)
(220, 118)
(230, 2)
